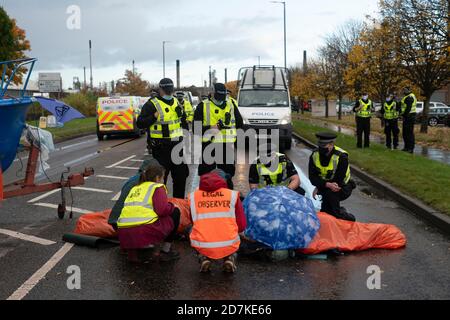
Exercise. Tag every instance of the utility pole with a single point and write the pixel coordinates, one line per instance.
(226, 75)
(285, 33)
(84, 83)
(210, 77)
(178, 75)
(90, 62)
(134, 69)
(164, 58)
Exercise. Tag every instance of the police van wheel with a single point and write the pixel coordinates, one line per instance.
(288, 144)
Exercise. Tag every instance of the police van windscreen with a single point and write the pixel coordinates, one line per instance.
(263, 98)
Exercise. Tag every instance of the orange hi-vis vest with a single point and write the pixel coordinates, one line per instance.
(215, 233)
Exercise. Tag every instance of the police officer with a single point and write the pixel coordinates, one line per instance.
(164, 118)
(329, 172)
(220, 119)
(363, 109)
(187, 106)
(408, 111)
(276, 170)
(391, 111)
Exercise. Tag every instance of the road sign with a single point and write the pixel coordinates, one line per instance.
(50, 82)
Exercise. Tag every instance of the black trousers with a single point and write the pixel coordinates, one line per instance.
(331, 201)
(392, 132)
(408, 132)
(221, 161)
(162, 152)
(176, 217)
(363, 130)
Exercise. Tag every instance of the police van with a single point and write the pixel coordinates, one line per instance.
(118, 115)
(264, 101)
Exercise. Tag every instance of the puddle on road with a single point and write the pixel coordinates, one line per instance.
(430, 153)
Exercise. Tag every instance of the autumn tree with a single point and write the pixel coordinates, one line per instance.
(233, 87)
(373, 65)
(336, 52)
(13, 43)
(421, 35)
(321, 80)
(133, 84)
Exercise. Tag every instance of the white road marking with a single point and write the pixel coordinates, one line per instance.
(26, 237)
(54, 206)
(76, 161)
(135, 160)
(120, 162)
(28, 285)
(45, 195)
(92, 190)
(112, 177)
(75, 145)
(127, 168)
(116, 197)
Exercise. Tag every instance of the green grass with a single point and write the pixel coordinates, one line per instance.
(74, 128)
(417, 176)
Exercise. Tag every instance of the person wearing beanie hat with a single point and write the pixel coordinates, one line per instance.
(220, 119)
(165, 120)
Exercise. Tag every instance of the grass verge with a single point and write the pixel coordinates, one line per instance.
(416, 176)
(74, 128)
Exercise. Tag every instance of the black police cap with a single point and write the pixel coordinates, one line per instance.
(220, 88)
(166, 83)
(326, 137)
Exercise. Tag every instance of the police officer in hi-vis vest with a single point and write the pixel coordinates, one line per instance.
(390, 112)
(363, 109)
(277, 170)
(164, 118)
(408, 111)
(329, 172)
(220, 120)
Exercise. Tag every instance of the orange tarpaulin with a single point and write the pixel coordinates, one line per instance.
(185, 219)
(353, 236)
(95, 225)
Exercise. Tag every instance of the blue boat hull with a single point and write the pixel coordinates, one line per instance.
(12, 121)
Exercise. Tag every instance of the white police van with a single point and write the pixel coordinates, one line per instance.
(264, 101)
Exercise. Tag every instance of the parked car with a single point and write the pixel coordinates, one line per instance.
(347, 107)
(448, 120)
(420, 105)
(436, 116)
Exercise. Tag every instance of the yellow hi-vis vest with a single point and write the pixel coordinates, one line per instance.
(188, 110)
(365, 111)
(328, 172)
(211, 116)
(390, 111)
(167, 117)
(275, 178)
(138, 207)
(414, 106)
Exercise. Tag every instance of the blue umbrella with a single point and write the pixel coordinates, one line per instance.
(280, 218)
(62, 112)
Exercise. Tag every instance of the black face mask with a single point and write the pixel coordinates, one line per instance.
(323, 151)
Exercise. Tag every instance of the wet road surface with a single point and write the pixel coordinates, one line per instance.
(419, 271)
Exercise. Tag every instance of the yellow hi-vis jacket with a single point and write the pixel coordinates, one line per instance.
(212, 114)
(328, 172)
(277, 178)
(138, 208)
(414, 106)
(167, 117)
(366, 110)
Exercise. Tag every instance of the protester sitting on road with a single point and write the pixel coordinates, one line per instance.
(147, 218)
(275, 170)
(218, 218)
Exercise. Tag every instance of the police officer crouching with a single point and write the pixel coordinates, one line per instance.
(275, 171)
(165, 120)
(329, 172)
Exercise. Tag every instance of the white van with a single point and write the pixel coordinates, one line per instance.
(264, 101)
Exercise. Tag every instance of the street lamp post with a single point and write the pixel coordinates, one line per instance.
(164, 58)
(285, 37)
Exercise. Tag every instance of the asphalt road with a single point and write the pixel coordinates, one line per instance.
(420, 271)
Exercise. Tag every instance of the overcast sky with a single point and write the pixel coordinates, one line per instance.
(222, 34)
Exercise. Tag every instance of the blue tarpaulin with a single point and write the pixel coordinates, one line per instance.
(280, 218)
(60, 110)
